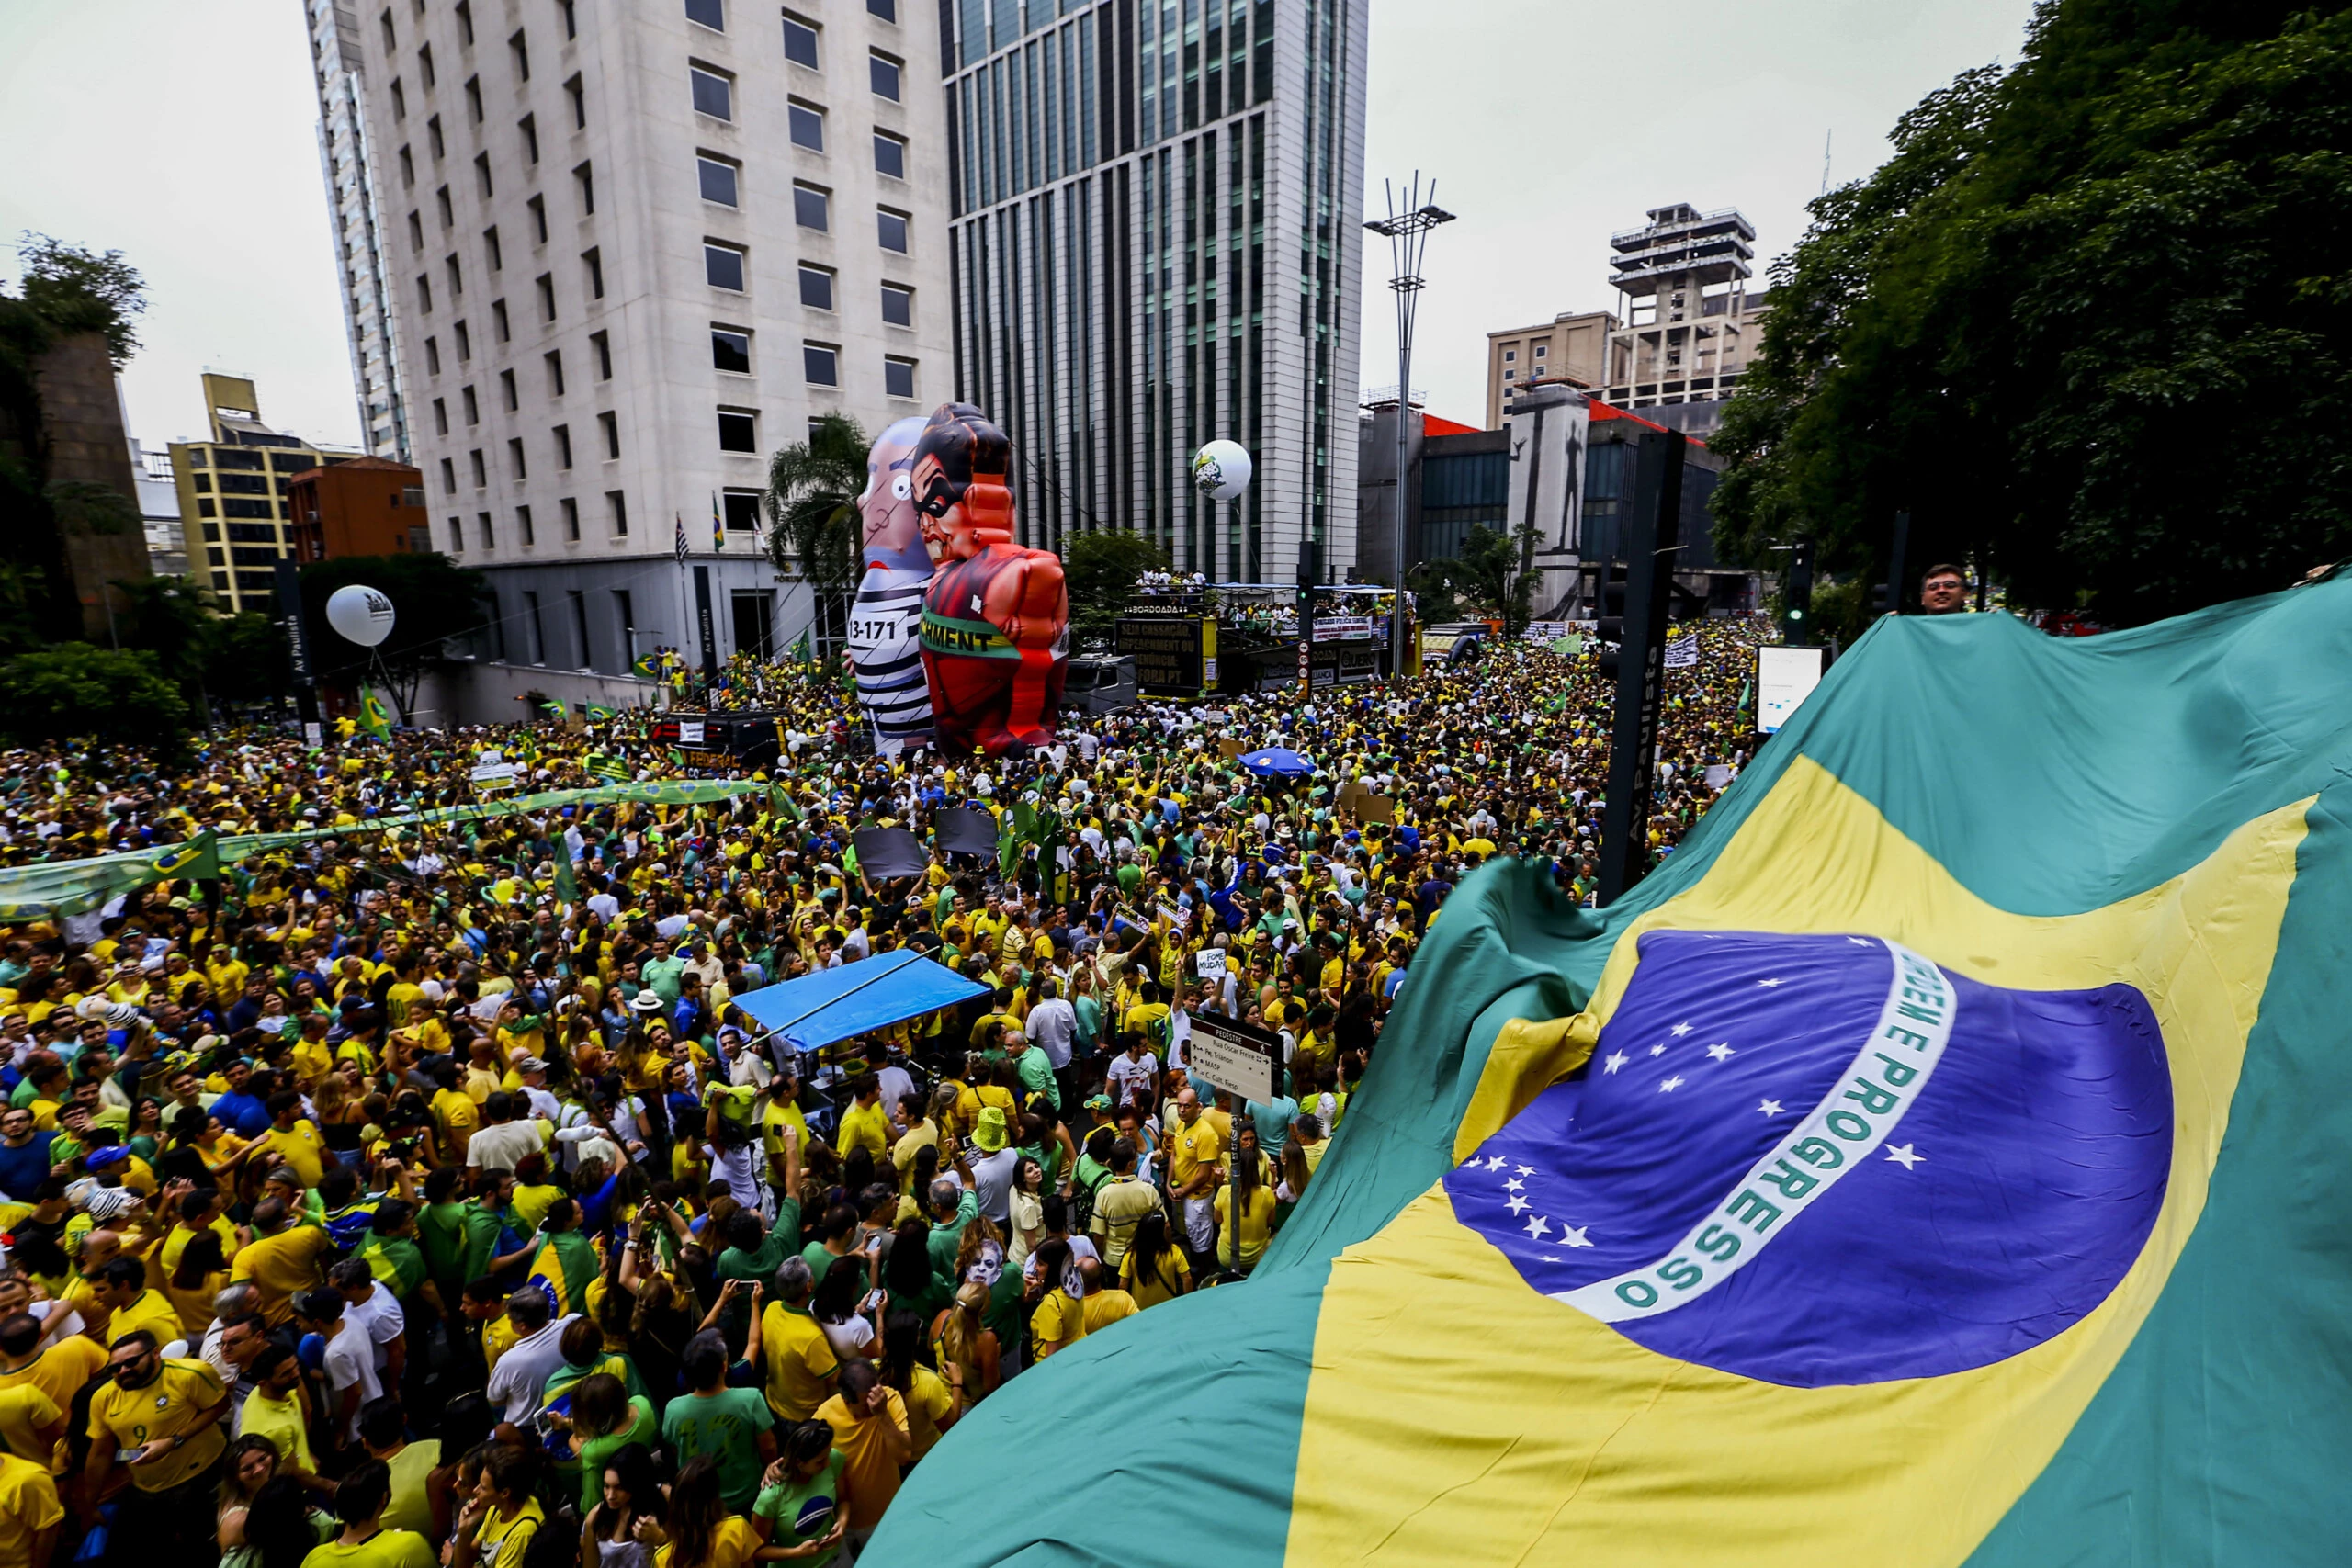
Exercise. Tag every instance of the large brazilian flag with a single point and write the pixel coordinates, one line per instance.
(1946, 1158)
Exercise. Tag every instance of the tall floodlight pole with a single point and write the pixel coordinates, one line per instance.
(1407, 233)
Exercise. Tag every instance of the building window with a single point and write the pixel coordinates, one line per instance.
(730, 350)
(583, 181)
(714, 93)
(425, 292)
(465, 343)
(886, 9)
(498, 321)
(416, 232)
(571, 511)
(554, 360)
(811, 209)
(617, 509)
(446, 211)
(456, 536)
(742, 508)
(440, 422)
(627, 613)
(898, 305)
(562, 445)
(610, 425)
(514, 460)
(799, 42)
(448, 476)
(898, 377)
(481, 524)
(1540, 348)
(578, 93)
(399, 100)
(457, 278)
(538, 649)
(506, 391)
(539, 206)
(473, 100)
(492, 249)
(891, 227)
(1509, 374)
(602, 344)
(591, 261)
(1509, 354)
(816, 287)
(889, 154)
(473, 409)
(408, 170)
(722, 266)
(434, 139)
(822, 365)
(482, 176)
(711, 14)
(433, 355)
(570, 17)
(545, 283)
(466, 23)
(481, 469)
(807, 125)
(739, 429)
(522, 525)
(717, 180)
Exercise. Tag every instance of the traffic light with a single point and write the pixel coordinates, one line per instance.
(1797, 596)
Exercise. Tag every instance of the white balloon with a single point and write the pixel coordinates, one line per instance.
(359, 614)
(1221, 469)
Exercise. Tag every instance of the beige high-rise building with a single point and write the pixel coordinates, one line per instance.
(1690, 326)
(1572, 347)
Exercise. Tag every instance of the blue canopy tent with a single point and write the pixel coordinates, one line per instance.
(816, 1011)
(1277, 763)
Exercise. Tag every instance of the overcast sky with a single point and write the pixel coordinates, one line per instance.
(184, 132)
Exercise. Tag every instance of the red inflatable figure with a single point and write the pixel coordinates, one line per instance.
(996, 617)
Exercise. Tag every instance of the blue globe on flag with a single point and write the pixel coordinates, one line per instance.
(1817, 1160)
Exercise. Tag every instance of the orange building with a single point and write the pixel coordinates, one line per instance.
(368, 506)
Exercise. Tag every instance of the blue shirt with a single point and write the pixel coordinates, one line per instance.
(23, 1169)
(242, 1114)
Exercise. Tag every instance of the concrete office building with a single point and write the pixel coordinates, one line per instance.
(640, 248)
(1157, 244)
(1690, 324)
(347, 160)
(1572, 347)
(236, 487)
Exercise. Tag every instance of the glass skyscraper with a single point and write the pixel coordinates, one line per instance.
(1155, 245)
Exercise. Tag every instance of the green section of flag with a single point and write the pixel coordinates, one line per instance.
(77, 887)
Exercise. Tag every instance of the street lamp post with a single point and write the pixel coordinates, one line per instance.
(1406, 232)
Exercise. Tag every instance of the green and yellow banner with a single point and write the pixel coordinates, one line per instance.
(1933, 1163)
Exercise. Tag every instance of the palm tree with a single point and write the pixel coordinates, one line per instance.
(815, 531)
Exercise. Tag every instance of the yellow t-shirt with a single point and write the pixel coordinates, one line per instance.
(151, 1310)
(386, 1547)
(301, 1149)
(1257, 1224)
(284, 1422)
(504, 1538)
(799, 1359)
(1193, 1147)
(129, 1417)
(1060, 1322)
(280, 1265)
(731, 1546)
(872, 1470)
(460, 1116)
(59, 1374)
(864, 1126)
(29, 1505)
(25, 1409)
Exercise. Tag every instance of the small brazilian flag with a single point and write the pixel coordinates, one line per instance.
(603, 767)
(551, 706)
(567, 885)
(646, 666)
(597, 715)
(372, 717)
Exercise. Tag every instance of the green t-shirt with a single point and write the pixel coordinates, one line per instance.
(802, 1511)
(727, 1427)
(595, 1452)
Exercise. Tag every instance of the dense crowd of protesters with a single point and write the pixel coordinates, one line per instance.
(423, 1196)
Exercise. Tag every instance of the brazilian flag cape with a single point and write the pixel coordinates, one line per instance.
(1939, 1161)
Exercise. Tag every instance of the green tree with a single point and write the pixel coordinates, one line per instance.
(1489, 578)
(434, 602)
(1101, 571)
(76, 692)
(76, 291)
(815, 530)
(246, 660)
(2089, 324)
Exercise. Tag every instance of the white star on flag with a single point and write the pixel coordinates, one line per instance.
(1862, 941)
(1905, 1155)
(1770, 1108)
(1658, 1050)
(1574, 1235)
(1514, 1185)
(1680, 1030)
(1536, 1225)
(1496, 1163)
(1616, 1060)
(1721, 1051)
(1670, 1085)
(1517, 1205)
(1768, 985)
(1526, 1169)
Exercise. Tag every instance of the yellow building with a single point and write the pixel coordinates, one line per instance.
(234, 494)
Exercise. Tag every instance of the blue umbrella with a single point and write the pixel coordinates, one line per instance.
(1277, 763)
